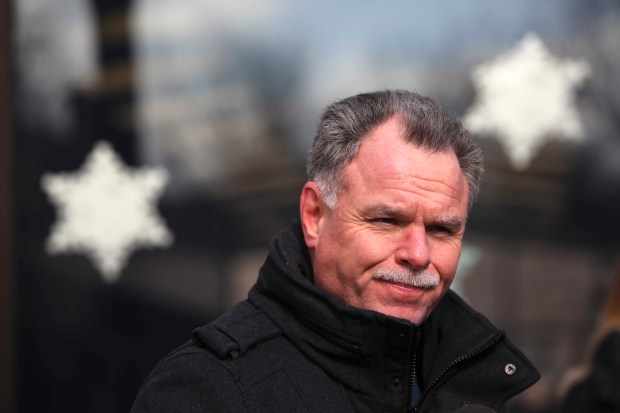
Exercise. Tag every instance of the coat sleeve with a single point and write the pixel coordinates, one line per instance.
(188, 382)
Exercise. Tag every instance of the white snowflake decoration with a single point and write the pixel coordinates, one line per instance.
(106, 210)
(526, 97)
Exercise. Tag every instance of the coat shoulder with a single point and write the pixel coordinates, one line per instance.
(189, 380)
(219, 367)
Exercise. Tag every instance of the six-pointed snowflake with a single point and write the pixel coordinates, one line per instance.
(106, 210)
(526, 97)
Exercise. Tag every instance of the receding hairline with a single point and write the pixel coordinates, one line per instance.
(400, 119)
(346, 124)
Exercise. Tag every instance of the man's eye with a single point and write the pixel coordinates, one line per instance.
(384, 220)
(440, 229)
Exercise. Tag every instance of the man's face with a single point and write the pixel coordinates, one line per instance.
(393, 241)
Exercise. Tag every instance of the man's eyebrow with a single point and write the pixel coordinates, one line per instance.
(451, 221)
(384, 210)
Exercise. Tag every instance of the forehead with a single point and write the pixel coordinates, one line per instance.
(386, 162)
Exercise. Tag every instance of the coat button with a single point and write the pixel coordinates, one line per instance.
(396, 382)
(510, 369)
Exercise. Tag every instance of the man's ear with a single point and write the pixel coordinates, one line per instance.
(312, 210)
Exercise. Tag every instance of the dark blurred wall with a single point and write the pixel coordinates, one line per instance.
(7, 310)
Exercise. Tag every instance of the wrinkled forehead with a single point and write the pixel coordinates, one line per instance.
(386, 160)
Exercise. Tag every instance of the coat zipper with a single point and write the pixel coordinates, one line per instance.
(412, 377)
(493, 341)
(412, 366)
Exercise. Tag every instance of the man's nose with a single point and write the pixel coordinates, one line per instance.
(413, 250)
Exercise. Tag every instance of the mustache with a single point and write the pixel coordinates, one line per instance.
(420, 279)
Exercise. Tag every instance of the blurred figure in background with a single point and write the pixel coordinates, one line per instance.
(597, 390)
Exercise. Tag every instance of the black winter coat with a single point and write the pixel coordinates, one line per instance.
(292, 347)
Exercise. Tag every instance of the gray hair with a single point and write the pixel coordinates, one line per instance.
(345, 123)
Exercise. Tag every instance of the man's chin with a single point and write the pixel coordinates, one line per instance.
(405, 313)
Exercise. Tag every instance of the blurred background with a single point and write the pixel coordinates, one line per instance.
(207, 110)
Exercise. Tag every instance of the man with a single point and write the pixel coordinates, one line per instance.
(351, 311)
